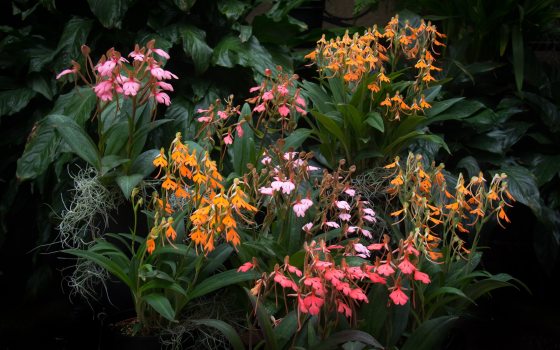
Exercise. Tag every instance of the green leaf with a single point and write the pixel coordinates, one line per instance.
(439, 291)
(118, 271)
(109, 12)
(458, 110)
(375, 120)
(184, 5)
(545, 167)
(243, 151)
(73, 36)
(296, 138)
(229, 52)
(116, 137)
(518, 53)
(470, 164)
(286, 329)
(220, 280)
(143, 164)
(41, 85)
(442, 106)
(522, 185)
(228, 331)
(77, 104)
(263, 318)
(13, 101)
(232, 9)
(430, 334)
(75, 136)
(128, 182)
(161, 304)
(376, 311)
(331, 126)
(140, 136)
(216, 258)
(501, 140)
(110, 162)
(195, 46)
(354, 117)
(334, 341)
(39, 151)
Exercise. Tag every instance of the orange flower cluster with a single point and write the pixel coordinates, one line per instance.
(441, 214)
(195, 180)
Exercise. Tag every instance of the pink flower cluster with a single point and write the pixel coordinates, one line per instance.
(278, 100)
(217, 120)
(115, 75)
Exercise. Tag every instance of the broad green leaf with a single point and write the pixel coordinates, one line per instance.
(522, 185)
(41, 85)
(110, 162)
(354, 117)
(143, 164)
(141, 135)
(13, 101)
(161, 304)
(232, 9)
(74, 35)
(318, 96)
(195, 46)
(39, 151)
(286, 329)
(229, 52)
(376, 311)
(77, 104)
(439, 291)
(216, 258)
(458, 110)
(331, 126)
(75, 136)
(470, 164)
(375, 120)
(128, 182)
(334, 341)
(434, 139)
(109, 12)
(228, 331)
(263, 318)
(296, 138)
(116, 137)
(545, 167)
(501, 140)
(243, 150)
(430, 334)
(184, 5)
(442, 106)
(162, 284)
(118, 271)
(220, 280)
(517, 53)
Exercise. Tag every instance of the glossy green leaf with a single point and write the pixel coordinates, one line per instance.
(220, 280)
(116, 137)
(216, 258)
(263, 319)
(184, 5)
(161, 304)
(13, 101)
(74, 35)
(110, 162)
(331, 126)
(143, 164)
(296, 138)
(77, 104)
(41, 85)
(195, 46)
(118, 271)
(518, 56)
(441, 106)
(334, 341)
(375, 312)
(285, 331)
(39, 151)
(232, 9)
(109, 12)
(430, 334)
(460, 109)
(128, 182)
(523, 186)
(228, 331)
(75, 136)
(375, 120)
(243, 151)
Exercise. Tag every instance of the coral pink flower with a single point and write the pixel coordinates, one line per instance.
(131, 87)
(222, 115)
(385, 269)
(156, 71)
(259, 108)
(284, 281)
(313, 304)
(106, 68)
(282, 90)
(162, 97)
(375, 246)
(343, 309)
(161, 53)
(375, 278)
(255, 88)
(267, 96)
(293, 269)
(245, 267)
(239, 129)
(307, 227)
(204, 119)
(165, 86)
(342, 205)
(137, 55)
(300, 101)
(283, 110)
(74, 70)
(406, 266)
(421, 276)
(358, 294)
(228, 140)
(104, 90)
(398, 296)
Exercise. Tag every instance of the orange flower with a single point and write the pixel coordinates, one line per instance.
(169, 184)
(452, 206)
(373, 87)
(386, 102)
(311, 56)
(180, 192)
(233, 237)
(382, 77)
(397, 181)
(150, 245)
(160, 160)
(170, 232)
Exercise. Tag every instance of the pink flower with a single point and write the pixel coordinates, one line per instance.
(255, 88)
(369, 211)
(282, 90)
(266, 190)
(406, 267)
(343, 309)
(162, 97)
(301, 207)
(204, 119)
(375, 278)
(369, 218)
(267, 96)
(376, 246)
(350, 192)
(161, 53)
(411, 250)
(276, 184)
(156, 71)
(65, 72)
(222, 115)
(266, 160)
(106, 68)
(421, 276)
(385, 269)
(301, 111)
(288, 187)
(358, 294)
(239, 129)
(259, 108)
(165, 86)
(307, 227)
(283, 110)
(131, 87)
(398, 296)
(361, 250)
(312, 304)
(293, 269)
(342, 205)
(104, 90)
(366, 233)
(228, 140)
(290, 155)
(245, 267)
(137, 55)
(332, 224)
(345, 217)
(284, 281)
(300, 101)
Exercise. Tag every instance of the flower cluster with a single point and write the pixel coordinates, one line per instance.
(115, 76)
(441, 214)
(278, 101)
(216, 120)
(193, 180)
